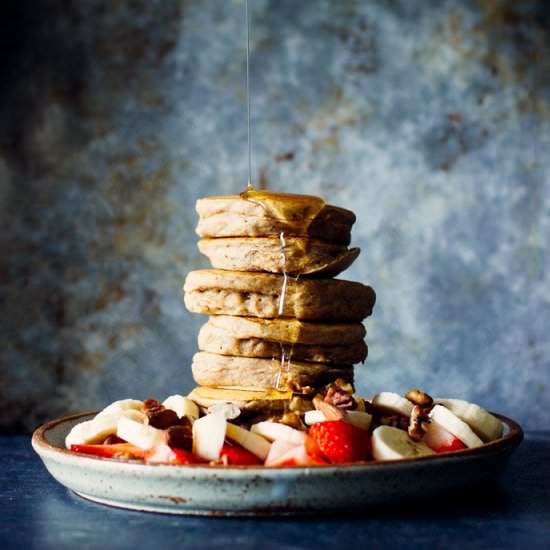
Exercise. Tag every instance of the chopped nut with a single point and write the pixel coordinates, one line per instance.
(339, 398)
(300, 404)
(151, 404)
(418, 422)
(370, 408)
(418, 397)
(293, 420)
(343, 385)
(330, 411)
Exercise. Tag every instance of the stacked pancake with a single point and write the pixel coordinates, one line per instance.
(281, 327)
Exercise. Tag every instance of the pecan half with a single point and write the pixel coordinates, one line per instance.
(330, 411)
(418, 397)
(340, 398)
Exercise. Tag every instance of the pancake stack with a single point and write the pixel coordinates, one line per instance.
(281, 326)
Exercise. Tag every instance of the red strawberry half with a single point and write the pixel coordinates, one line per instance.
(113, 450)
(238, 456)
(440, 440)
(338, 442)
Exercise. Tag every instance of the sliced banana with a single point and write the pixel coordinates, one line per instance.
(390, 443)
(209, 436)
(121, 406)
(252, 442)
(275, 430)
(313, 416)
(139, 434)
(393, 403)
(482, 422)
(360, 419)
(452, 423)
(182, 406)
(81, 434)
(229, 410)
(101, 426)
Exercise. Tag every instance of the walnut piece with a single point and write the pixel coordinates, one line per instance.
(418, 422)
(418, 397)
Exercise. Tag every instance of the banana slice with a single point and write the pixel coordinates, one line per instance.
(482, 422)
(275, 430)
(390, 443)
(360, 419)
(252, 442)
(313, 416)
(452, 423)
(393, 403)
(229, 410)
(182, 406)
(101, 426)
(81, 434)
(208, 436)
(141, 435)
(120, 407)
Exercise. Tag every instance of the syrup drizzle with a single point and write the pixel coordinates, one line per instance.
(282, 295)
(279, 206)
(249, 137)
(286, 350)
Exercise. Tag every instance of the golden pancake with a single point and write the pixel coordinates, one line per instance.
(250, 373)
(264, 213)
(267, 295)
(232, 341)
(294, 255)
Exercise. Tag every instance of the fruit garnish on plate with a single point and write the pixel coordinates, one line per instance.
(180, 432)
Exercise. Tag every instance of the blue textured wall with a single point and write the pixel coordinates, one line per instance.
(431, 120)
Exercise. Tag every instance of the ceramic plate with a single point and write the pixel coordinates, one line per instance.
(251, 490)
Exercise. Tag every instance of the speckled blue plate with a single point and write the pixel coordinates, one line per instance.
(252, 490)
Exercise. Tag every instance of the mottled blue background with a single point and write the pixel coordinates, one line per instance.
(431, 120)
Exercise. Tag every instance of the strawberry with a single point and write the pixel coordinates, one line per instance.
(113, 450)
(284, 453)
(164, 454)
(238, 456)
(440, 440)
(184, 457)
(338, 442)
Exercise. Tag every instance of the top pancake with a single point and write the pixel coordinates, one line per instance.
(263, 213)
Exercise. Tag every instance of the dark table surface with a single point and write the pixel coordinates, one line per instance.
(513, 512)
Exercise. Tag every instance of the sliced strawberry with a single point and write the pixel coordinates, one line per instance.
(338, 442)
(295, 455)
(440, 440)
(184, 457)
(164, 454)
(113, 450)
(238, 456)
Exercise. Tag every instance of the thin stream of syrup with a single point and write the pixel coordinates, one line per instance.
(286, 351)
(282, 296)
(249, 137)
